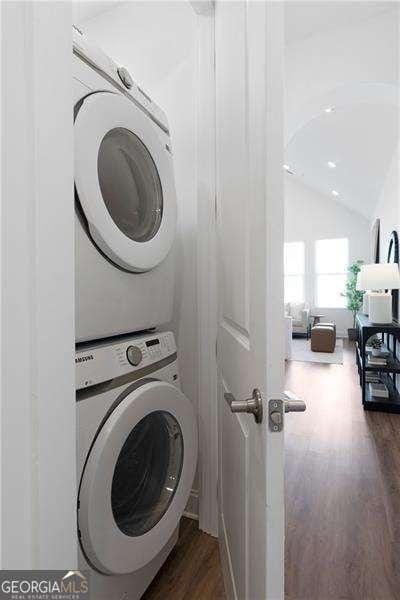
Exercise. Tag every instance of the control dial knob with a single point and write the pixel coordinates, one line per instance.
(134, 355)
(125, 77)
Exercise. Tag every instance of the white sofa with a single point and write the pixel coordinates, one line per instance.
(300, 313)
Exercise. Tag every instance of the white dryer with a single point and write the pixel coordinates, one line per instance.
(137, 454)
(125, 201)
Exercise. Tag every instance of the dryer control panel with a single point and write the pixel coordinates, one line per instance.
(103, 361)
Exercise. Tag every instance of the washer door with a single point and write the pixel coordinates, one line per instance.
(137, 477)
(124, 181)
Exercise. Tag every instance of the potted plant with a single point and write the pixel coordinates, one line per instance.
(354, 297)
(376, 345)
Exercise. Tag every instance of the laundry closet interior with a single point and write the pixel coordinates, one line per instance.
(137, 324)
(138, 311)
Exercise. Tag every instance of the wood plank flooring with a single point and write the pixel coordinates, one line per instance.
(192, 570)
(342, 490)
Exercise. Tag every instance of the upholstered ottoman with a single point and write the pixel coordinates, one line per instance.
(323, 337)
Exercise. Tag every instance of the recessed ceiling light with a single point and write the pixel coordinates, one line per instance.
(286, 167)
(335, 193)
(329, 109)
(331, 164)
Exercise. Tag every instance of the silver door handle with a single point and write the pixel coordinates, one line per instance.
(276, 408)
(292, 403)
(252, 405)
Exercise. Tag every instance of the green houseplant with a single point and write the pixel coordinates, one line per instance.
(354, 297)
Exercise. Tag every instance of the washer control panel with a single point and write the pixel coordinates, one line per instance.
(103, 361)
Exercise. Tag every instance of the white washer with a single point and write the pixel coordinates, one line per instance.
(137, 454)
(125, 201)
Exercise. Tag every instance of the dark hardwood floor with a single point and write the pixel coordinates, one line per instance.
(342, 490)
(192, 570)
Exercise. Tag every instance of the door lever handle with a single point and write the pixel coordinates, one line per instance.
(276, 408)
(252, 405)
(292, 403)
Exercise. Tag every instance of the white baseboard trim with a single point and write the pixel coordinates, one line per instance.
(192, 506)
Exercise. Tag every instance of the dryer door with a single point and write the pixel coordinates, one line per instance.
(137, 477)
(124, 181)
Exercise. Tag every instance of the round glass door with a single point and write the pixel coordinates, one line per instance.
(147, 473)
(130, 184)
(124, 181)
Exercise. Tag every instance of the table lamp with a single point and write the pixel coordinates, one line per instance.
(379, 278)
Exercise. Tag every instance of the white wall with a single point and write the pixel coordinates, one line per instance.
(157, 42)
(38, 456)
(388, 206)
(310, 216)
(388, 211)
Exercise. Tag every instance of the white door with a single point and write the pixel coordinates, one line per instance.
(249, 106)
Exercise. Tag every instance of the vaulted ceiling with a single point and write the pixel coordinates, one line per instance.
(342, 57)
(360, 140)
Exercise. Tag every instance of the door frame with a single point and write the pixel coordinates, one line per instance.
(37, 438)
(207, 295)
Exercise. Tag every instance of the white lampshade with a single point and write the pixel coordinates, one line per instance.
(359, 284)
(381, 276)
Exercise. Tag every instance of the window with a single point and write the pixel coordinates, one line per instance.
(331, 261)
(294, 271)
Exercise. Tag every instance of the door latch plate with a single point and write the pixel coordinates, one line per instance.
(276, 410)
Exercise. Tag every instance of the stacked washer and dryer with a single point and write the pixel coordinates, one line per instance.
(137, 431)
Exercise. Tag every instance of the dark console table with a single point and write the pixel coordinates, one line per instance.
(390, 334)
